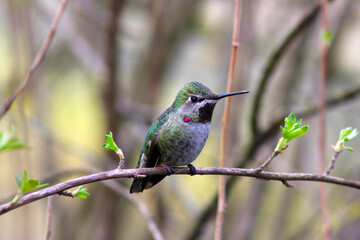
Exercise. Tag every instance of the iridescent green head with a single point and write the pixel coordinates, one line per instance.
(191, 89)
(195, 98)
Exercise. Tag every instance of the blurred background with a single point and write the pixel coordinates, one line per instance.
(115, 65)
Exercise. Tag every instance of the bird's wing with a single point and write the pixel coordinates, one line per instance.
(150, 155)
(150, 152)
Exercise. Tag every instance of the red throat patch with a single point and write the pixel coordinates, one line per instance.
(187, 119)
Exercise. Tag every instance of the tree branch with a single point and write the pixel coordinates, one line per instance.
(265, 164)
(133, 173)
(332, 163)
(225, 122)
(48, 221)
(38, 59)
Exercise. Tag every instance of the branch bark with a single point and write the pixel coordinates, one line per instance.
(133, 173)
(332, 163)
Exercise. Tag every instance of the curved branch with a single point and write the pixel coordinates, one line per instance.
(273, 61)
(38, 59)
(133, 173)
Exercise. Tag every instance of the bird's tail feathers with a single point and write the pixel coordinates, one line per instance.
(139, 184)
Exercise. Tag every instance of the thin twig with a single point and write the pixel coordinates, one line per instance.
(38, 59)
(133, 173)
(49, 212)
(267, 162)
(225, 120)
(287, 184)
(332, 163)
(322, 119)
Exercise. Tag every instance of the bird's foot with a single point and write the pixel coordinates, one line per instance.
(169, 169)
(192, 169)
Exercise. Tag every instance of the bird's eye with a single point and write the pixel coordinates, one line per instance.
(194, 99)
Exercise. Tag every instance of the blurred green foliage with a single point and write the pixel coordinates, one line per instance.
(8, 141)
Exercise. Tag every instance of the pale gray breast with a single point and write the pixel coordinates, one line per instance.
(181, 142)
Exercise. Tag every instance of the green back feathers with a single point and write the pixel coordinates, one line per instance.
(154, 128)
(190, 88)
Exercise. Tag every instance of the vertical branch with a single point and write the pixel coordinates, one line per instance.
(49, 212)
(107, 215)
(222, 191)
(322, 118)
(111, 62)
(113, 122)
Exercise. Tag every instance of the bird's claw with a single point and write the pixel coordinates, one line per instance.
(192, 169)
(169, 169)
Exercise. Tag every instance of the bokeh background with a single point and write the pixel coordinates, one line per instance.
(116, 65)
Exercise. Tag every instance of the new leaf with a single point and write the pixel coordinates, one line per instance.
(110, 144)
(345, 135)
(26, 185)
(290, 131)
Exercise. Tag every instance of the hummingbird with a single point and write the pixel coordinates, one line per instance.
(179, 134)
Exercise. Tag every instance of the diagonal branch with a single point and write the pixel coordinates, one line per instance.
(273, 62)
(38, 59)
(133, 173)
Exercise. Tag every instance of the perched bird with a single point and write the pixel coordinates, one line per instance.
(178, 135)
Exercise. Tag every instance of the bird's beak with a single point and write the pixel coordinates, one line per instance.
(219, 96)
